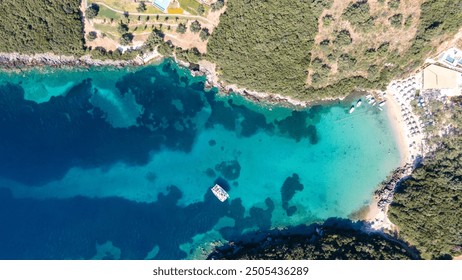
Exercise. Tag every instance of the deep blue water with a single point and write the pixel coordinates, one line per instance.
(113, 163)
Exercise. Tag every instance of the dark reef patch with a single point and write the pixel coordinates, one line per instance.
(296, 127)
(229, 169)
(210, 173)
(258, 217)
(291, 185)
(41, 142)
(251, 121)
(151, 176)
(212, 143)
(70, 228)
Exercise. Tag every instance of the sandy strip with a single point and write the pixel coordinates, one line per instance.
(377, 218)
(399, 128)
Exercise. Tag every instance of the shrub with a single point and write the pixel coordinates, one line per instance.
(393, 4)
(343, 38)
(126, 39)
(181, 28)
(327, 20)
(195, 26)
(204, 34)
(122, 28)
(396, 20)
(218, 5)
(92, 36)
(201, 9)
(92, 11)
(141, 7)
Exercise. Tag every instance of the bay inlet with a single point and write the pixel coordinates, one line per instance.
(118, 163)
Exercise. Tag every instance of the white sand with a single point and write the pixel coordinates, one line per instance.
(410, 146)
(399, 127)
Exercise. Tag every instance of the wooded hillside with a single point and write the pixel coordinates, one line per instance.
(40, 26)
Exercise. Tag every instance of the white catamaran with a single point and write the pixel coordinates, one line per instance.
(220, 193)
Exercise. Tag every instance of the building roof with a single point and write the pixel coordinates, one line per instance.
(437, 77)
(162, 4)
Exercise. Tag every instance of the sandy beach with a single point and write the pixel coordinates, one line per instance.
(399, 127)
(408, 132)
(378, 218)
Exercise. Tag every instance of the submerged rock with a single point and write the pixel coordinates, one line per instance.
(229, 169)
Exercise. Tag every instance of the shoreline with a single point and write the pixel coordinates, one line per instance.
(16, 61)
(410, 138)
(397, 125)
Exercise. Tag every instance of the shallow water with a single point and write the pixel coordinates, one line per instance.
(113, 163)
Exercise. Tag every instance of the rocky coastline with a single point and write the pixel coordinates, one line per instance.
(387, 188)
(16, 61)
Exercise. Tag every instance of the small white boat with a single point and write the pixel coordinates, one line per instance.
(358, 103)
(372, 100)
(382, 103)
(220, 193)
(352, 109)
(380, 108)
(373, 103)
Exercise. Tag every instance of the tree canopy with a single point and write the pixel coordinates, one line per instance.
(92, 11)
(31, 26)
(331, 243)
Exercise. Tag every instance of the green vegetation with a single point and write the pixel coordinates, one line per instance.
(428, 206)
(271, 51)
(181, 28)
(393, 4)
(103, 54)
(437, 18)
(126, 39)
(343, 38)
(358, 14)
(92, 36)
(156, 40)
(195, 26)
(334, 244)
(327, 20)
(201, 9)
(122, 28)
(408, 21)
(141, 7)
(346, 62)
(267, 51)
(92, 11)
(396, 20)
(218, 5)
(191, 55)
(31, 26)
(204, 34)
(107, 14)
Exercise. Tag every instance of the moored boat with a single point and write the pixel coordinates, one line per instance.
(382, 103)
(220, 193)
(358, 103)
(352, 109)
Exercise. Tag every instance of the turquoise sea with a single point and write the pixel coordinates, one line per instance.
(118, 163)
